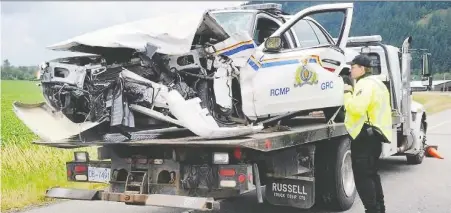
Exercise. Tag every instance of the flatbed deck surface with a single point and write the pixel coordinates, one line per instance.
(302, 130)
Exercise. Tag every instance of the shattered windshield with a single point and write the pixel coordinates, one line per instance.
(233, 22)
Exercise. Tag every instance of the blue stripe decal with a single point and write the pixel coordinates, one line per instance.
(280, 63)
(312, 60)
(238, 49)
(252, 64)
(263, 65)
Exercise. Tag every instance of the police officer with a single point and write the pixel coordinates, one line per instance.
(368, 121)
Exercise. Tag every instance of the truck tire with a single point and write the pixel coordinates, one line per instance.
(335, 187)
(418, 158)
(329, 112)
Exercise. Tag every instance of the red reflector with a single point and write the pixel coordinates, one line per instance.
(329, 69)
(69, 173)
(237, 153)
(227, 172)
(268, 144)
(242, 178)
(80, 168)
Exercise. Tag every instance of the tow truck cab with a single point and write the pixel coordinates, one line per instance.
(387, 61)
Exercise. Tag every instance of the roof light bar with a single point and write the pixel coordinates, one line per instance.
(364, 39)
(265, 6)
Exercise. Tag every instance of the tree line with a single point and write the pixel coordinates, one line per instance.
(10, 72)
(429, 23)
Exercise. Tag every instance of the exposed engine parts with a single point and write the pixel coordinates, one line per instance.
(95, 88)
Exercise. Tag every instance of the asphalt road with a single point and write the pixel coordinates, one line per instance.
(424, 188)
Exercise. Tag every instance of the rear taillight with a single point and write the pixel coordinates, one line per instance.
(141, 161)
(237, 153)
(80, 169)
(77, 172)
(241, 178)
(227, 172)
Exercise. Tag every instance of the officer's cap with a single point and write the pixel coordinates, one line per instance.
(361, 60)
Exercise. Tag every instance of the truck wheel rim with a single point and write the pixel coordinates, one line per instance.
(347, 175)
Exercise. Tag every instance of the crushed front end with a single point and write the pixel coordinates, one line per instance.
(121, 90)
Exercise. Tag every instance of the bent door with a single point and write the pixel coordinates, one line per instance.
(273, 83)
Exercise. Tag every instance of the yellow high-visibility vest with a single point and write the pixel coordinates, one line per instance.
(369, 103)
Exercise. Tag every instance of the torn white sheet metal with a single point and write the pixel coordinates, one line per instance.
(173, 34)
(49, 125)
(239, 47)
(197, 120)
(154, 114)
(222, 87)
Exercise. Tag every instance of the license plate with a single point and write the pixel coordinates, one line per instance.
(97, 174)
(288, 192)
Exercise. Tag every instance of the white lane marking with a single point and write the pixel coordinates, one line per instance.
(437, 125)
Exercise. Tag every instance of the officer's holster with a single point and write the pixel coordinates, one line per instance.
(373, 131)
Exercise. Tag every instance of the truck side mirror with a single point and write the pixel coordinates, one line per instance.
(273, 44)
(425, 71)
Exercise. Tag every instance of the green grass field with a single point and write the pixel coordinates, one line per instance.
(28, 170)
(433, 101)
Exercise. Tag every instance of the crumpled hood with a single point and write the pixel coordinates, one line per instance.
(172, 34)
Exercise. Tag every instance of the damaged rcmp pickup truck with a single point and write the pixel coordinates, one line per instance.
(189, 108)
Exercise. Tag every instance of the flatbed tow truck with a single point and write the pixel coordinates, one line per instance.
(307, 164)
(171, 168)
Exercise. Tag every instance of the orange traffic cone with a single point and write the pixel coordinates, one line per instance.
(431, 151)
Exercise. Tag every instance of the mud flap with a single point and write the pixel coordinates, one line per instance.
(49, 125)
(291, 192)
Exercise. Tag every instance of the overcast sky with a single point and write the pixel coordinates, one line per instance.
(28, 27)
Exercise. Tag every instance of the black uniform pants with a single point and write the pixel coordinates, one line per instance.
(365, 152)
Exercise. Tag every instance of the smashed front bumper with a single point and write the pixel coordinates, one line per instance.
(174, 201)
(48, 124)
(53, 126)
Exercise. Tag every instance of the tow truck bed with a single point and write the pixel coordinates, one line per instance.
(157, 191)
(301, 130)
